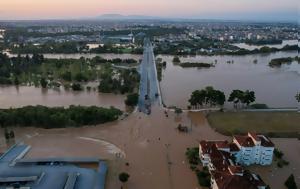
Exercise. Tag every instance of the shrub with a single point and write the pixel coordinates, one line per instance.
(132, 99)
(290, 182)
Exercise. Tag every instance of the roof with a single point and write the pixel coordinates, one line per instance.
(49, 173)
(265, 141)
(254, 136)
(235, 169)
(244, 141)
(206, 146)
(233, 147)
(228, 181)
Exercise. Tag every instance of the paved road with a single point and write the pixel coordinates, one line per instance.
(149, 84)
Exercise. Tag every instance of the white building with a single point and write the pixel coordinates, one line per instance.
(254, 149)
(224, 158)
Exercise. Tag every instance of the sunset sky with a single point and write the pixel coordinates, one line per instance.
(206, 9)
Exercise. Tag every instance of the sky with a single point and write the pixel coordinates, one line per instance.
(276, 10)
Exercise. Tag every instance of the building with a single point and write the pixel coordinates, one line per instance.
(225, 159)
(247, 150)
(253, 149)
(50, 173)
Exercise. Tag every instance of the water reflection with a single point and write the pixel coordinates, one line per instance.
(11, 96)
(275, 87)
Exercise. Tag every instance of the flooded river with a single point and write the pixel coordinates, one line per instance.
(23, 96)
(275, 87)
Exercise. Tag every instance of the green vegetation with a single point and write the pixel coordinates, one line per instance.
(279, 158)
(132, 99)
(52, 72)
(273, 124)
(76, 87)
(259, 106)
(46, 117)
(298, 97)
(240, 98)
(290, 182)
(208, 96)
(192, 155)
(118, 81)
(159, 67)
(264, 42)
(123, 177)
(277, 62)
(204, 177)
(176, 59)
(262, 50)
(50, 47)
(212, 47)
(196, 64)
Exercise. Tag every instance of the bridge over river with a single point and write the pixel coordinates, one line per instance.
(149, 86)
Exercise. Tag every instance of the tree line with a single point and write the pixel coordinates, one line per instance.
(57, 117)
(212, 97)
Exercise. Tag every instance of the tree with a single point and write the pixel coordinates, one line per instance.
(235, 97)
(67, 76)
(208, 96)
(178, 111)
(43, 83)
(290, 182)
(298, 97)
(76, 87)
(298, 100)
(16, 81)
(241, 97)
(248, 97)
(123, 177)
(132, 99)
(176, 59)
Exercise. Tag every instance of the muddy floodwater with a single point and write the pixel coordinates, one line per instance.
(148, 147)
(275, 87)
(151, 145)
(12, 96)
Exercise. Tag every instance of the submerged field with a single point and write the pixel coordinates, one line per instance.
(276, 124)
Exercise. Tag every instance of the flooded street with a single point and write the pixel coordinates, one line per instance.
(275, 176)
(281, 83)
(24, 96)
(152, 146)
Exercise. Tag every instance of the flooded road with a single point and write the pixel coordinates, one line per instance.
(275, 176)
(152, 147)
(148, 147)
(275, 87)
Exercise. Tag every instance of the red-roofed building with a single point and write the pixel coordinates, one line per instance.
(223, 160)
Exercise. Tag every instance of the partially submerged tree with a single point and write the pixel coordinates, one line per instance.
(123, 177)
(298, 100)
(290, 182)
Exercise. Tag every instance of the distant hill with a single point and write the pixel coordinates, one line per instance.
(124, 17)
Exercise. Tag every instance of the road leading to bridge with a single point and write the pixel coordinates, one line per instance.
(149, 86)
